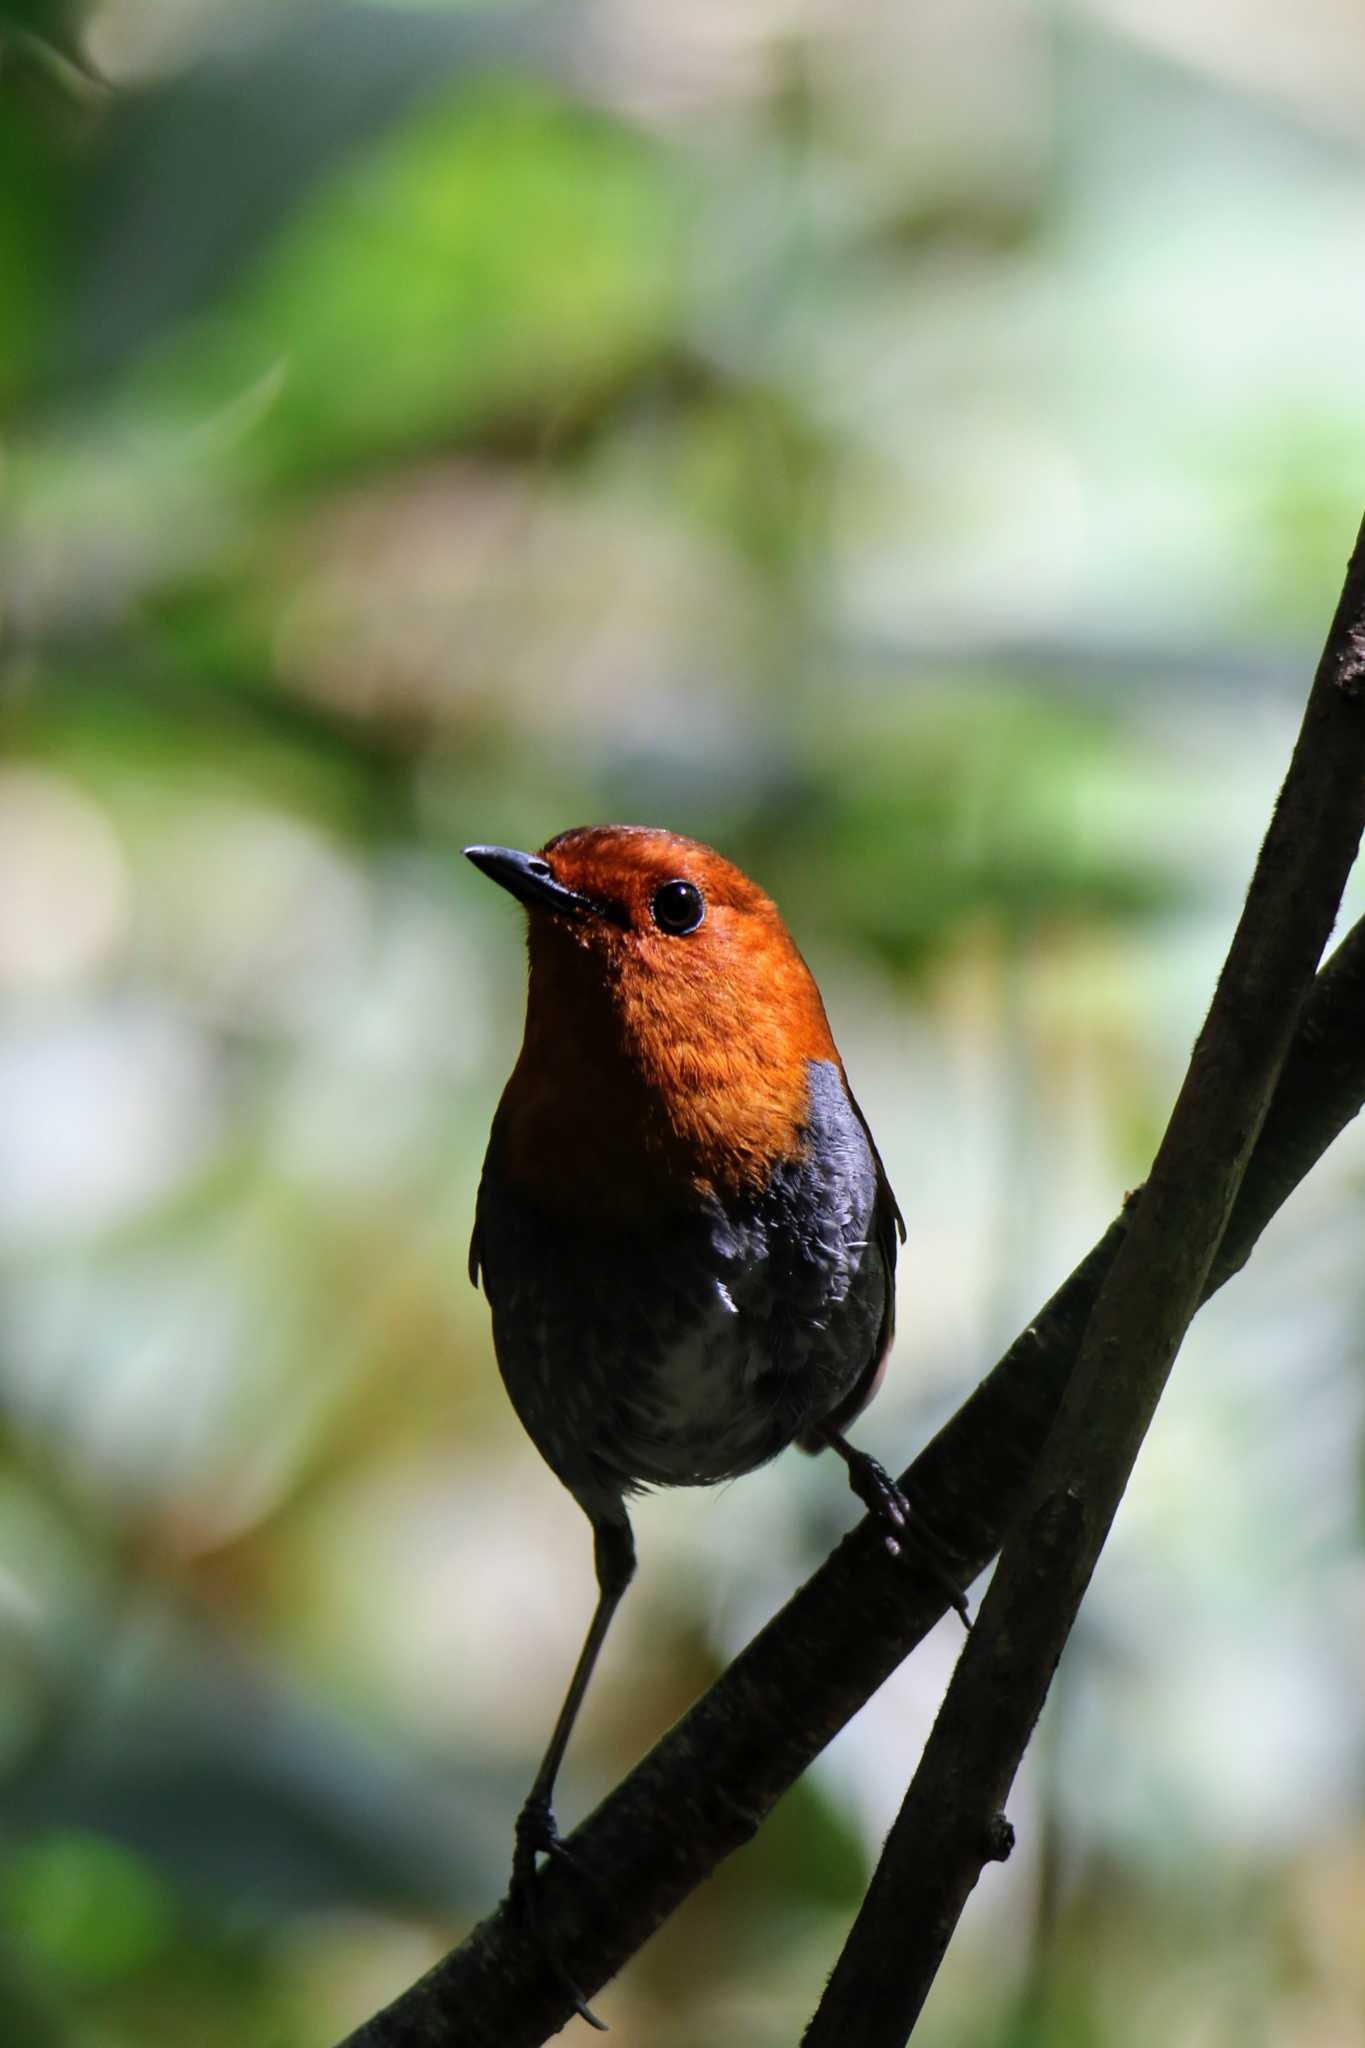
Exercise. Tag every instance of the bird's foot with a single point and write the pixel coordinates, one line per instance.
(881, 1496)
(538, 1835)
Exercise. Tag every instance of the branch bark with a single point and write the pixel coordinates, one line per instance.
(706, 1786)
(952, 1820)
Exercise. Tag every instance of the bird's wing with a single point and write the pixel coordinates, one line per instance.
(880, 1226)
(888, 1224)
(889, 1236)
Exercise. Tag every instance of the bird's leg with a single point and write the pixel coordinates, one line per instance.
(879, 1493)
(537, 1833)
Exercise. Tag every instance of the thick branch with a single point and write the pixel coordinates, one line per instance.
(952, 1820)
(706, 1786)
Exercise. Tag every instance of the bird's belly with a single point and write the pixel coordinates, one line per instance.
(694, 1352)
(732, 1384)
(706, 1371)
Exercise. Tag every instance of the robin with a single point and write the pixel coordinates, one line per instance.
(684, 1228)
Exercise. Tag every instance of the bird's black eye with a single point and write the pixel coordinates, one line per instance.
(677, 907)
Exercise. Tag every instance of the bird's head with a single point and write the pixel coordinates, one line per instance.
(659, 971)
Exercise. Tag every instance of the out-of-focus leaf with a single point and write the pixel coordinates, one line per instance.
(86, 1906)
(195, 175)
(503, 252)
(55, 23)
(947, 808)
(184, 722)
(31, 236)
(238, 1789)
(810, 1853)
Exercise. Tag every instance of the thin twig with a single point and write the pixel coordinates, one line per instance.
(951, 1822)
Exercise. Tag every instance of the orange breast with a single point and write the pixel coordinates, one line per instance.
(645, 1081)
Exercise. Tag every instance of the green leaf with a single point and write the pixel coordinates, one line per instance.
(197, 175)
(91, 1909)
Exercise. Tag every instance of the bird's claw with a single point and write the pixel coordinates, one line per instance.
(879, 1493)
(538, 1835)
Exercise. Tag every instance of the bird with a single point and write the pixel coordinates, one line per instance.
(683, 1228)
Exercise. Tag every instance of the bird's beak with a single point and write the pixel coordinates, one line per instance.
(527, 876)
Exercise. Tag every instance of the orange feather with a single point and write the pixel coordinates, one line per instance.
(652, 1069)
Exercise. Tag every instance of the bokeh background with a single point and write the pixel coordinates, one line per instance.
(915, 448)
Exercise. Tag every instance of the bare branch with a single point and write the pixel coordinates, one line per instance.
(951, 1822)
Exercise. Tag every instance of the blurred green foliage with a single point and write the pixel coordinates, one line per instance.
(86, 1908)
(493, 256)
(916, 451)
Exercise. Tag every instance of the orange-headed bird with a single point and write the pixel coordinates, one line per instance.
(683, 1228)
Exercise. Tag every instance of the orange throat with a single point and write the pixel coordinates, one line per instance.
(633, 1096)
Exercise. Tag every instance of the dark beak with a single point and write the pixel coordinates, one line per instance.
(527, 877)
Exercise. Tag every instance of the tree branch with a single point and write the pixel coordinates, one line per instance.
(952, 1820)
(706, 1786)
